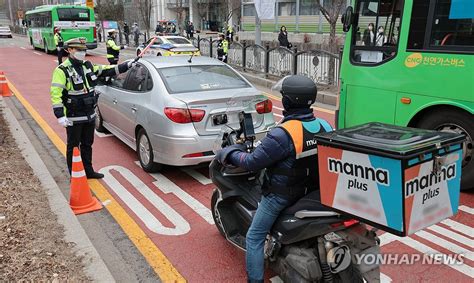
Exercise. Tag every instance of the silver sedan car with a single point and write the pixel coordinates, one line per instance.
(172, 109)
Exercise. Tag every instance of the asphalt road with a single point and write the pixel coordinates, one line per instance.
(160, 225)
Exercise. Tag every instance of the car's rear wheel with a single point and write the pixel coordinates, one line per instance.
(99, 123)
(460, 123)
(145, 153)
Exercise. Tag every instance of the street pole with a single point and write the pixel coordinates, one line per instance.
(11, 14)
(258, 30)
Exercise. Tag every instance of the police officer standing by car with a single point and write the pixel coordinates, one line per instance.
(74, 99)
(289, 154)
(113, 50)
(59, 42)
(222, 48)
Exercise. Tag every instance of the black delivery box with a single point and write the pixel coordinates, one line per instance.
(397, 179)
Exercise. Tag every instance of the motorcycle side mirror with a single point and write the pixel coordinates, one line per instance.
(246, 125)
(347, 19)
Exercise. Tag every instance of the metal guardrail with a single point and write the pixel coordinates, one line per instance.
(319, 65)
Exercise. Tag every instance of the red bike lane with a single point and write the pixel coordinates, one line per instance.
(173, 206)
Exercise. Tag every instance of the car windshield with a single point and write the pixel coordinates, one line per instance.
(200, 78)
(178, 40)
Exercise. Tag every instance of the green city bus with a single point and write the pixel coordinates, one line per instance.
(419, 72)
(74, 21)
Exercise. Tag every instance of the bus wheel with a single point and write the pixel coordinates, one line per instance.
(460, 123)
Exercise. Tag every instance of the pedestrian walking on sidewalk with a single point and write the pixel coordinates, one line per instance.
(74, 99)
(136, 34)
(126, 32)
(283, 38)
(99, 32)
(59, 42)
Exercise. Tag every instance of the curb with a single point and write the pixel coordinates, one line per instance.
(95, 267)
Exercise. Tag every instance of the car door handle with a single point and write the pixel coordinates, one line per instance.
(115, 101)
(134, 109)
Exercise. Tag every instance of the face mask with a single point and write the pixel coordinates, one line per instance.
(79, 55)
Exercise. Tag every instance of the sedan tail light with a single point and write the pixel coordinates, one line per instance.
(183, 115)
(264, 106)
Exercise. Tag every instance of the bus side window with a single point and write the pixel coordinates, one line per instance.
(376, 31)
(449, 26)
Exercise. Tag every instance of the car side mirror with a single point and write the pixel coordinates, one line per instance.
(347, 19)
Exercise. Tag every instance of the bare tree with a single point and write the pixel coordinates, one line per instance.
(145, 7)
(110, 10)
(180, 8)
(330, 10)
(230, 8)
(202, 9)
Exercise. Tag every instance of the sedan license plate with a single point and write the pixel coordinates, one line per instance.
(219, 119)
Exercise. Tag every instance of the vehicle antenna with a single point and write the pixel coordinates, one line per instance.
(190, 59)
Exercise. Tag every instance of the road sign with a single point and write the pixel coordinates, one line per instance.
(90, 3)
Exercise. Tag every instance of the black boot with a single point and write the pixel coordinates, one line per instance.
(94, 175)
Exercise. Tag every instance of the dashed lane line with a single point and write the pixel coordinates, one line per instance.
(157, 260)
(197, 176)
(22, 47)
(37, 53)
(464, 208)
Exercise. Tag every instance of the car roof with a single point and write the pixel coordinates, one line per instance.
(176, 61)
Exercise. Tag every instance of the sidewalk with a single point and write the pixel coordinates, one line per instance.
(43, 239)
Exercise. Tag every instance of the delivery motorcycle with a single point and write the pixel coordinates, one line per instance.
(308, 242)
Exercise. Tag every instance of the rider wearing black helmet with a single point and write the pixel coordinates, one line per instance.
(289, 154)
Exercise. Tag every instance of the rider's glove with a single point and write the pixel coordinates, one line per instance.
(222, 155)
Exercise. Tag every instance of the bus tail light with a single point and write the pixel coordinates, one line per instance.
(95, 32)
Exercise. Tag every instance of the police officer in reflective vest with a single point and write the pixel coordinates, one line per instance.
(59, 42)
(222, 48)
(289, 154)
(74, 99)
(113, 50)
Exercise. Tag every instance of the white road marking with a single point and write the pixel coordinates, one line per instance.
(167, 186)
(22, 47)
(198, 176)
(387, 238)
(461, 228)
(446, 244)
(102, 135)
(181, 226)
(278, 115)
(458, 266)
(384, 278)
(37, 53)
(276, 279)
(450, 234)
(466, 209)
(278, 108)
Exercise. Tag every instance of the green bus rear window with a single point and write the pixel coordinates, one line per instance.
(73, 14)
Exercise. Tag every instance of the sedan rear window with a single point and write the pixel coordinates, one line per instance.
(177, 40)
(201, 78)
